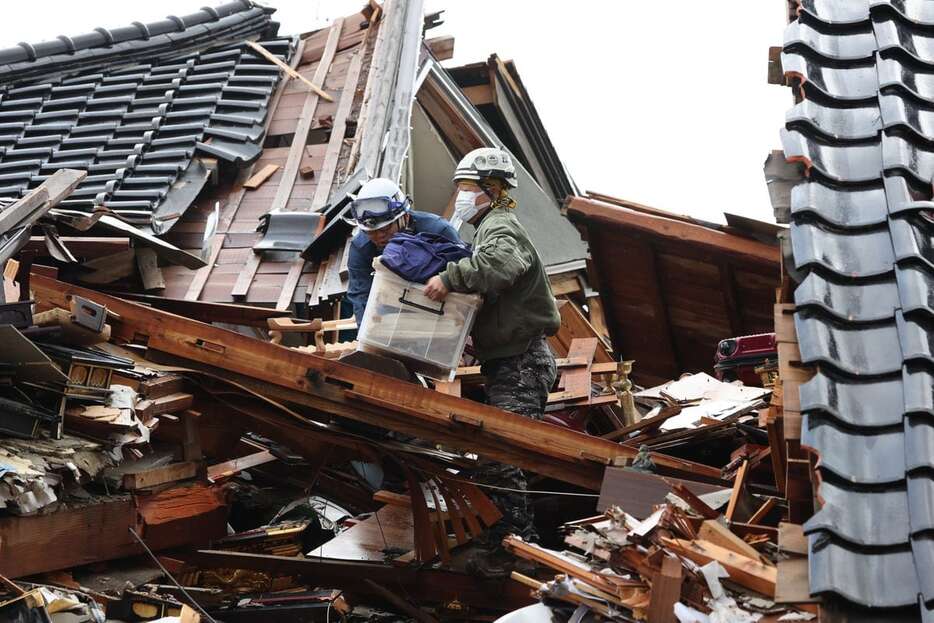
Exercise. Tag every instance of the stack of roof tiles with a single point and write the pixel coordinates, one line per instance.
(133, 105)
(861, 234)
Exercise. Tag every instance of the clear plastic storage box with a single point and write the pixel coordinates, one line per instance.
(403, 323)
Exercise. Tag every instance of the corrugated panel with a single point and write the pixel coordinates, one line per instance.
(861, 233)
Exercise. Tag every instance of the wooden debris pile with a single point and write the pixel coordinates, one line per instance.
(673, 565)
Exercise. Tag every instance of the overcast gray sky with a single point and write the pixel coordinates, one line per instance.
(663, 103)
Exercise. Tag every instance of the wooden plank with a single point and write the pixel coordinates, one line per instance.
(763, 512)
(245, 278)
(776, 75)
(715, 532)
(41, 199)
(344, 270)
(164, 404)
(338, 132)
(148, 263)
(203, 311)
(791, 539)
(744, 571)
(564, 284)
(260, 177)
(191, 440)
(452, 389)
(666, 591)
(696, 504)
(738, 484)
(655, 421)
(109, 268)
(576, 381)
(529, 551)
(582, 209)
(597, 316)
(307, 117)
(775, 428)
(161, 386)
(326, 176)
(275, 60)
(78, 535)
(479, 94)
(287, 294)
(575, 325)
(202, 274)
(793, 585)
(149, 478)
(442, 48)
(235, 466)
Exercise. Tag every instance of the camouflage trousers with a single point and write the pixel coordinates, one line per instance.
(519, 384)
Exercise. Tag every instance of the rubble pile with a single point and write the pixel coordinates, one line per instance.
(193, 429)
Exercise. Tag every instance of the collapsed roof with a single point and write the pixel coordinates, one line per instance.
(196, 148)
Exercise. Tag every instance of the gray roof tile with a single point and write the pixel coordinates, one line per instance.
(861, 231)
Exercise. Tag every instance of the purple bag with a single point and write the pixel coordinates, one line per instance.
(419, 257)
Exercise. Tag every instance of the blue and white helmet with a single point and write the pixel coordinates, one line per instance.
(487, 162)
(379, 202)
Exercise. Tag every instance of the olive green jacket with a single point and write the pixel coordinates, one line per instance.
(505, 269)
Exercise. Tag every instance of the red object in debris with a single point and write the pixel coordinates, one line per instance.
(575, 419)
(738, 357)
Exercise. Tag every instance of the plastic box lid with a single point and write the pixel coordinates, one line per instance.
(403, 323)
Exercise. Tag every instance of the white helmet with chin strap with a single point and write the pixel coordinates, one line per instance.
(487, 162)
(379, 202)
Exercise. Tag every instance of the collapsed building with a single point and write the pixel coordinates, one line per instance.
(191, 428)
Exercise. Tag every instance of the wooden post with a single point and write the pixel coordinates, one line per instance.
(191, 447)
(666, 591)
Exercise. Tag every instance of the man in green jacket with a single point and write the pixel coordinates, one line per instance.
(518, 312)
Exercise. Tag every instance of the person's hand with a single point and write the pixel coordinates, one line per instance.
(435, 289)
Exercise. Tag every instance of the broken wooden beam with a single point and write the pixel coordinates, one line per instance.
(744, 571)
(235, 466)
(347, 391)
(146, 479)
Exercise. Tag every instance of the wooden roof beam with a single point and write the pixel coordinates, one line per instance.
(586, 211)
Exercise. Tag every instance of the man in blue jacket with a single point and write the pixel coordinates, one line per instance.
(381, 210)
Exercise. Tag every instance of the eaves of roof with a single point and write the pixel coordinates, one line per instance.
(673, 288)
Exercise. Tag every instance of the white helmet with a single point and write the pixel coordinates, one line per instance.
(487, 162)
(379, 203)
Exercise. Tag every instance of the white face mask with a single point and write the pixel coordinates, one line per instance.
(465, 205)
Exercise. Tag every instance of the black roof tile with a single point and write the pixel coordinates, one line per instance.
(861, 235)
(853, 514)
(860, 403)
(835, 11)
(918, 11)
(857, 457)
(869, 350)
(113, 119)
(861, 253)
(855, 46)
(850, 84)
(860, 302)
(883, 577)
(836, 123)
